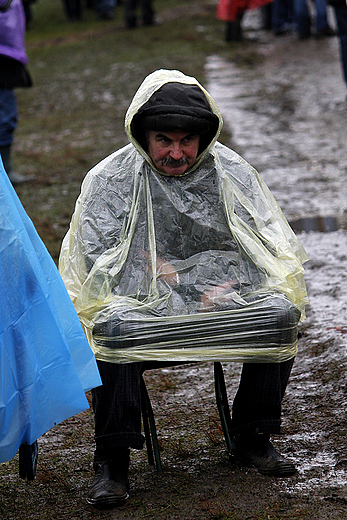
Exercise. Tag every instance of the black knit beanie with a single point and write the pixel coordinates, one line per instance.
(176, 106)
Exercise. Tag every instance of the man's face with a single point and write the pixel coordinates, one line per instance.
(173, 152)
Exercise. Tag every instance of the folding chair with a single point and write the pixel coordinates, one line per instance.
(266, 331)
(149, 426)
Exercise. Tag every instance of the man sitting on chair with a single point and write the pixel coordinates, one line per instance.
(176, 224)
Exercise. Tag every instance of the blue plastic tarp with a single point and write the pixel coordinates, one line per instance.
(46, 363)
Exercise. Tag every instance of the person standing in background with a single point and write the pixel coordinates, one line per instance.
(13, 74)
(73, 10)
(340, 8)
(303, 21)
(105, 9)
(147, 13)
(232, 12)
(281, 17)
(28, 12)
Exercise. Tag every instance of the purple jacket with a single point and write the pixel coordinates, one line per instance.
(12, 30)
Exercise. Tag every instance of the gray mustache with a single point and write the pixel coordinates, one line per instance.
(169, 161)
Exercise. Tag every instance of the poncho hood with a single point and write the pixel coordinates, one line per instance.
(170, 100)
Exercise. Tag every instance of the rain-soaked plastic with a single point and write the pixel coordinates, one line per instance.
(194, 267)
(46, 363)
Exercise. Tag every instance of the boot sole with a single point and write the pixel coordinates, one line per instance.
(107, 502)
(286, 470)
(280, 472)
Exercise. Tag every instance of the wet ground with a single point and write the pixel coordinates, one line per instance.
(284, 105)
(287, 113)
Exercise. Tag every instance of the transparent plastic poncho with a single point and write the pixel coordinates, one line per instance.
(202, 266)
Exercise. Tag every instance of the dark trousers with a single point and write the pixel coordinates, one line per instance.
(257, 403)
(117, 406)
(8, 116)
(73, 9)
(117, 403)
(341, 20)
(147, 12)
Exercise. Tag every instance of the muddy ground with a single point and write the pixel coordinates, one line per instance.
(287, 117)
(285, 108)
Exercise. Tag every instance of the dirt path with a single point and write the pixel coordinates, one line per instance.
(286, 108)
(287, 116)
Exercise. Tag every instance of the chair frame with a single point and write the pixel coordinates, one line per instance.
(150, 430)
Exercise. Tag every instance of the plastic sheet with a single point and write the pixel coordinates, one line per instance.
(268, 325)
(155, 250)
(46, 363)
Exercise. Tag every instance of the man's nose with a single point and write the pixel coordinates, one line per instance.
(176, 152)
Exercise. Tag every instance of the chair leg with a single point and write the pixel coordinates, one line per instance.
(28, 455)
(150, 428)
(146, 425)
(222, 402)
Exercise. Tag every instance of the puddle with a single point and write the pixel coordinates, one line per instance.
(321, 224)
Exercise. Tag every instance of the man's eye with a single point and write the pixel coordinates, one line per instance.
(188, 138)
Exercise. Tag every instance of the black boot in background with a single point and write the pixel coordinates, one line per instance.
(233, 30)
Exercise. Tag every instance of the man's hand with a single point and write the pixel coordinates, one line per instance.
(213, 297)
(164, 270)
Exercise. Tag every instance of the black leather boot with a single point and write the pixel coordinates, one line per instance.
(256, 450)
(110, 486)
(233, 30)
